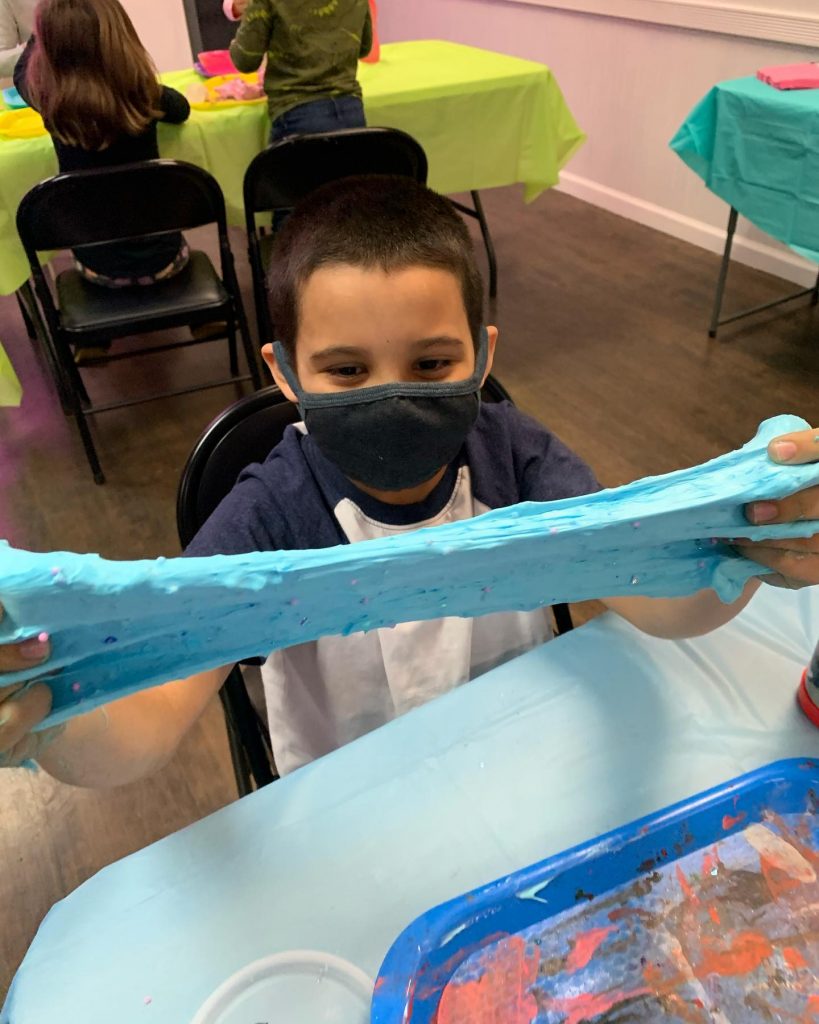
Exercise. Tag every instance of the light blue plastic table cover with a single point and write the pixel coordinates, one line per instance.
(588, 732)
(757, 148)
(121, 626)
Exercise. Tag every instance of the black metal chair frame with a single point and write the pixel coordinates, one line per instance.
(288, 170)
(717, 320)
(248, 735)
(476, 211)
(197, 201)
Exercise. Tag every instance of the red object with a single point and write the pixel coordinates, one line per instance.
(805, 702)
(217, 62)
(374, 56)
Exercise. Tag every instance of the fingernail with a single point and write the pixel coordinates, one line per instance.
(34, 649)
(763, 512)
(784, 451)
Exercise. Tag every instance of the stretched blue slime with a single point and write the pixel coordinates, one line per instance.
(118, 627)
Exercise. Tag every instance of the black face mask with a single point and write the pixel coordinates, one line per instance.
(391, 436)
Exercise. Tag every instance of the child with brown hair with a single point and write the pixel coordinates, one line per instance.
(91, 78)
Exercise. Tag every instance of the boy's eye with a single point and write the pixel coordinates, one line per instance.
(433, 365)
(347, 372)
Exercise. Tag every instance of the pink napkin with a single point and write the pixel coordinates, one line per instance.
(791, 76)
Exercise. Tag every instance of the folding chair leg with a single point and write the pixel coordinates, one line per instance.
(814, 299)
(241, 772)
(723, 273)
(563, 618)
(38, 332)
(247, 344)
(234, 357)
(88, 445)
(26, 318)
(488, 243)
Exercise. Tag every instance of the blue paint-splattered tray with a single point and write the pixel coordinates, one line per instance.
(705, 912)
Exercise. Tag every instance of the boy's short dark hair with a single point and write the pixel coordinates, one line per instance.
(382, 221)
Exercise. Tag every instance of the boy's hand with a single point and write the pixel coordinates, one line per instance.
(795, 562)
(20, 712)
(239, 8)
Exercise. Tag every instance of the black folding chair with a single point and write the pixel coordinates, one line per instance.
(115, 204)
(286, 172)
(246, 432)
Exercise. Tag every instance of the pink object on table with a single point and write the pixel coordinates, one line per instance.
(791, 76)
(216, 62)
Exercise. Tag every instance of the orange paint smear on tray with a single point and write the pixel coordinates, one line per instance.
(745, 954)
(585, 946)
(794, 958)
(501, 992)
(730, 822)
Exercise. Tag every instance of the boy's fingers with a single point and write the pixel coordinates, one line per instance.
(796, 544)
(14, 657)
(19, 715)
(804, 505)
(801, 566)
(796, 448)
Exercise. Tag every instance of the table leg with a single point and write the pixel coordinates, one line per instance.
(723, 273)
(718, 321)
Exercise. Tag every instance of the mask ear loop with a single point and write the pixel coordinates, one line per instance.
(287, 371)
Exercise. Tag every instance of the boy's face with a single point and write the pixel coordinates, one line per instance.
(361, 327)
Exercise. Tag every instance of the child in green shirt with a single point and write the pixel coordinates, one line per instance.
(312, 52)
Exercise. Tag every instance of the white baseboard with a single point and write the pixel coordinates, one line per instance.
(755, 254)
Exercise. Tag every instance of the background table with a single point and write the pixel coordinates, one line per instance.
(586, 733)
(757, 148)
(484, 119)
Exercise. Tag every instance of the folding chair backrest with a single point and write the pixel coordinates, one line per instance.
(245, 432)
(112, 203)
(289, 170)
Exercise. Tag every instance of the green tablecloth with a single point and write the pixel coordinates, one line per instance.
(757, 148)
(10, 390)
(484, 119)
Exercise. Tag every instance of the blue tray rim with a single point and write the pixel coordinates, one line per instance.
(392, 998)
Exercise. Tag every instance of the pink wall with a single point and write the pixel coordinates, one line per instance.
(517, 29)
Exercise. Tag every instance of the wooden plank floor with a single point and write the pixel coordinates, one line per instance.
(602, 337)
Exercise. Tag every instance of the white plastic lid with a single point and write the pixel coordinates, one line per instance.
(296, 987)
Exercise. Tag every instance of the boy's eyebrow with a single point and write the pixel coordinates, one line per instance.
(352, 351)
(336, 350)
(439, 339)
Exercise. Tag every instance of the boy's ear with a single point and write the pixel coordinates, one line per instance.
(272, 364)
(492, 334)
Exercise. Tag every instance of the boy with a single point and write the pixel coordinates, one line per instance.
(377, 303)
(312, 53)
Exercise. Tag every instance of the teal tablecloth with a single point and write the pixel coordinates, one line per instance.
(757, 148)
(574, 738)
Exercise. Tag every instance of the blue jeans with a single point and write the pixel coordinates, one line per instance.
(327, 115)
